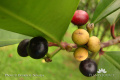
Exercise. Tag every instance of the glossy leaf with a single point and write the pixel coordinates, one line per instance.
(112, 17)
(108, 62)
(104, 8)
(8, 38)
(47, 18)
(114, 55)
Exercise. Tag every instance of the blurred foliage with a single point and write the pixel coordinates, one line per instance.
(89, 6)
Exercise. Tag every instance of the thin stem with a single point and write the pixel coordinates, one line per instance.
(93, 33)
(94, 55)
(111, 42)
(90, 27)
(44, 57)
(52, 44)
(112, 28)
(90, 33)
(55, 44)
(112, 61)
(97, 58)
(81, 27)
(48, 55)
(63, 44)
(101, 52)
(73, 50)
(55, 52)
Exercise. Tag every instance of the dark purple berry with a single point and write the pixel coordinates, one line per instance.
(22, 51)
(88, 67)
(38, 47)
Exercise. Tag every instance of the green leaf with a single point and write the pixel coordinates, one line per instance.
(47, 18)
(112, 17)
(110, 61)
(104, 8)
(114, 55)
(8, 38)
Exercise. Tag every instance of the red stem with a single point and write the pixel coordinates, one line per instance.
(52, 44)
(101, 52)
(102, 45)
(63, 44)
(112, 28)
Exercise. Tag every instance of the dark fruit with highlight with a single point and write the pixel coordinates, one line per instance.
(88, 67)
(22, 51)
(38, 47)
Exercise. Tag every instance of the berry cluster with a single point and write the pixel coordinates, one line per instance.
(36, 48)
(85, 43)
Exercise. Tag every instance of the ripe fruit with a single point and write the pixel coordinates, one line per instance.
(93, 44)
(80, 54)
(80, 36)
(80, 18)
(38, 47)
(88, 67)
(22, 51)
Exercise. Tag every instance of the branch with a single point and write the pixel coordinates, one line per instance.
(68, 46)
(52, 44)
(63, 44)
(49, 56)
(111, 42)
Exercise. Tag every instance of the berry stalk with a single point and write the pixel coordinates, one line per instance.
(55, 52)
(112, 31)
(90, 28)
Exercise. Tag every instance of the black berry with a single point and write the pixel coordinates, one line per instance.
(38, 47)
(88, 67)
(22, 51)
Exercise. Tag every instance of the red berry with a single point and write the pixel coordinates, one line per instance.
(80, 18)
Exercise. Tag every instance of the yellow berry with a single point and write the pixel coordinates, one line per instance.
(80, 54)
(93, 44)
(80, 36)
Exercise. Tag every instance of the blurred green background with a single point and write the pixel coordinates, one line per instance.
(63, 65)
